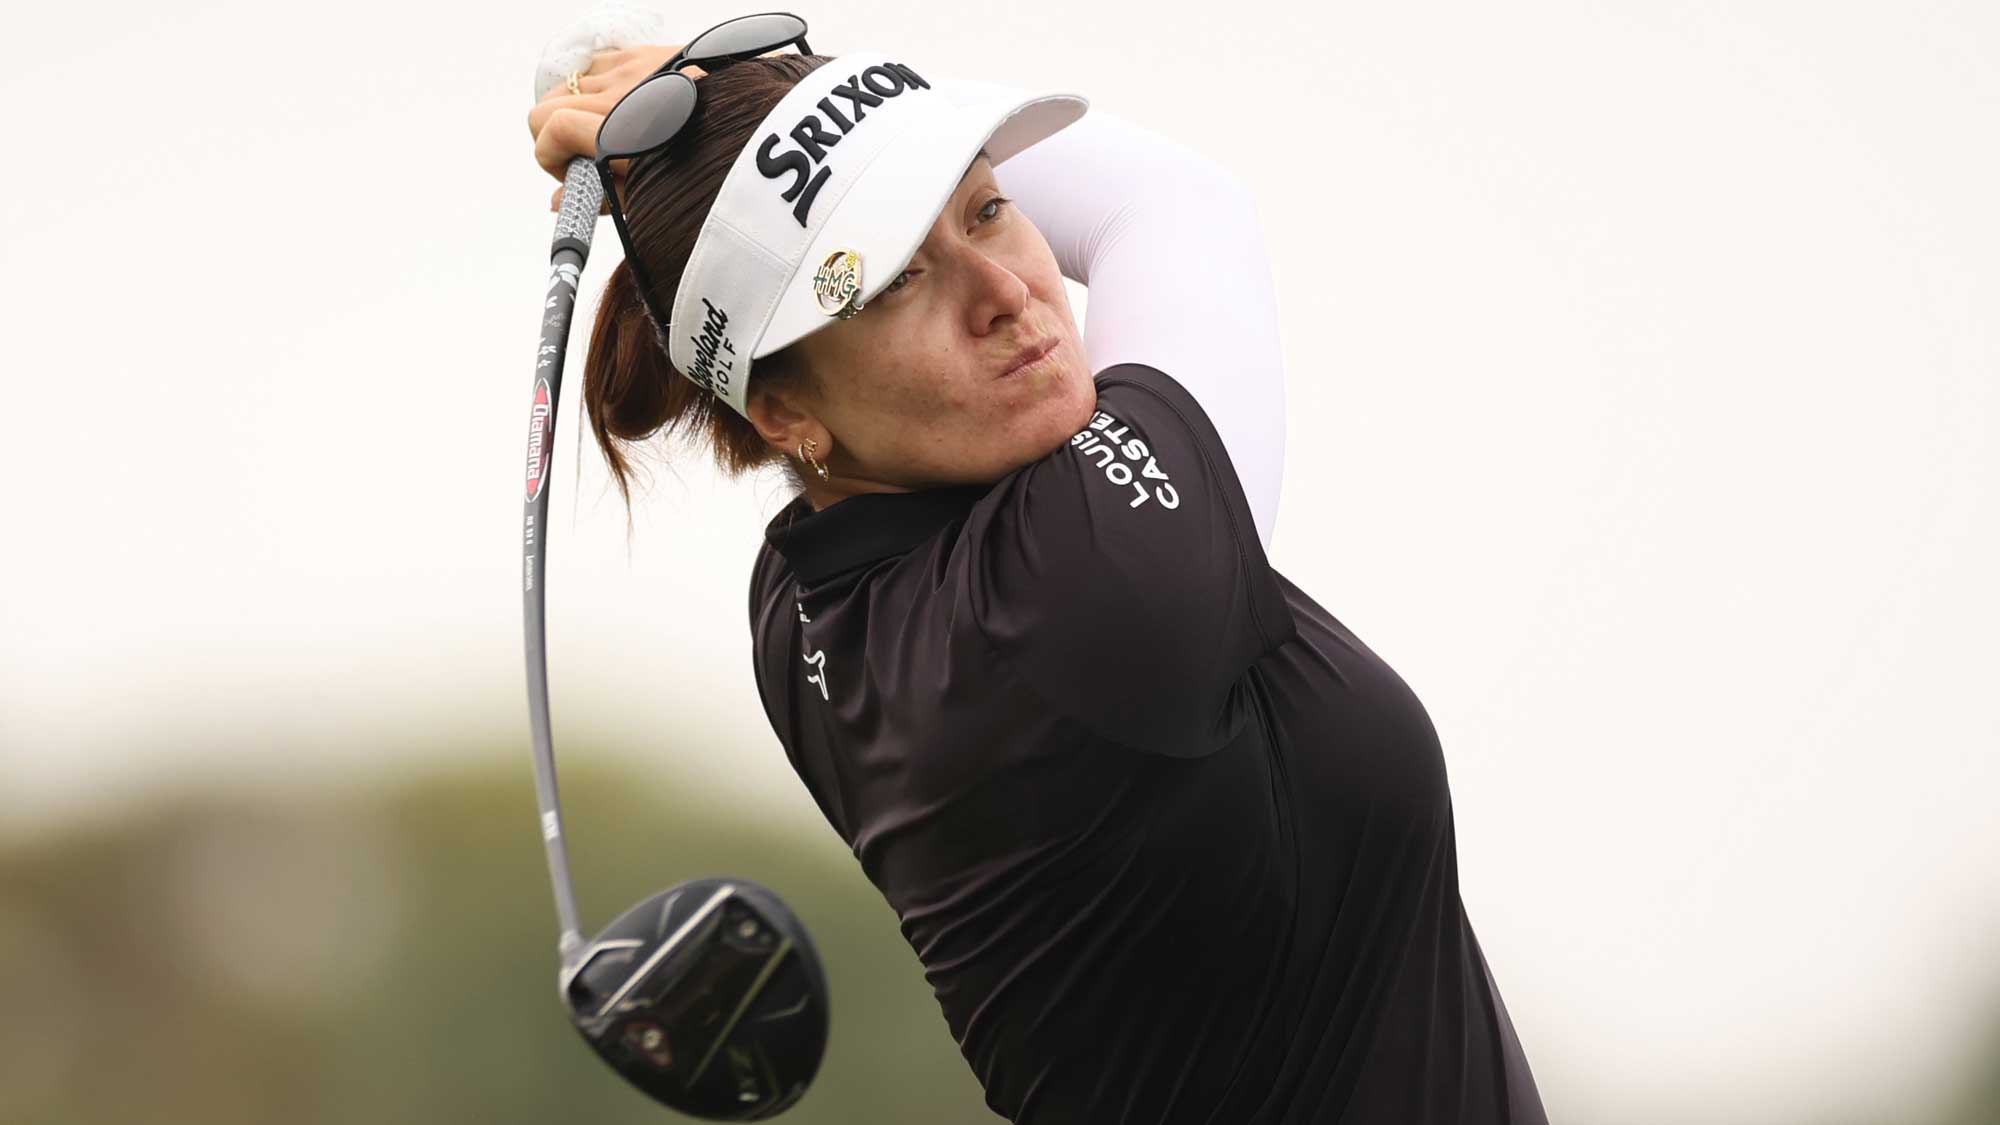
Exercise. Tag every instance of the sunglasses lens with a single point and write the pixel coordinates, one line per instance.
(751, 35)
(647, 117)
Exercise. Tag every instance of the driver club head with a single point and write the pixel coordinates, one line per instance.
(708, 996)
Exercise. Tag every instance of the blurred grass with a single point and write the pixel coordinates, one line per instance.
(388, 955)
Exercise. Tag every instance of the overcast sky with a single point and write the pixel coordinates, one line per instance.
(1642, 374)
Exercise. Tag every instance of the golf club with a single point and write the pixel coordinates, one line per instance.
(708, 996)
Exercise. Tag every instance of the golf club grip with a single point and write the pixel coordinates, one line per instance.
(576, 223)
(582, 195)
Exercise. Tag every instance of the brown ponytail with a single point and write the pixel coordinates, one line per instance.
(631, 391)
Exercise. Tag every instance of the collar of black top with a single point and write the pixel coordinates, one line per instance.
(864, 528)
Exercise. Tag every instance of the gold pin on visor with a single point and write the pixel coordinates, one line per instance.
(837, 284)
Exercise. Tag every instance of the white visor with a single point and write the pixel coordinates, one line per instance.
(833, 195)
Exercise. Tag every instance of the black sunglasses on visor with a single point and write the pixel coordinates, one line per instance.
(653, 112)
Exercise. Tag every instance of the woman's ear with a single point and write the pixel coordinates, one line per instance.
(780, 421)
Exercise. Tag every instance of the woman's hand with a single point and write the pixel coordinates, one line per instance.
(565, 125)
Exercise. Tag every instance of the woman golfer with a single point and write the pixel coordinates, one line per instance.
(1173, 845)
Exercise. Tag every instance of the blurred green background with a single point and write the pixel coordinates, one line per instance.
(385, 953)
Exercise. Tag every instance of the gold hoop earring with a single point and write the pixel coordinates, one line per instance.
(806, 450)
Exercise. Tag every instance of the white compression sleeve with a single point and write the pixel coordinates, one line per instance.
(1171, 247)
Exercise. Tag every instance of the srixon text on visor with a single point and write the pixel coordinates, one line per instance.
(860, 93)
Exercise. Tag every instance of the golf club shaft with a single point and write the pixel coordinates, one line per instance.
(575, 224)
